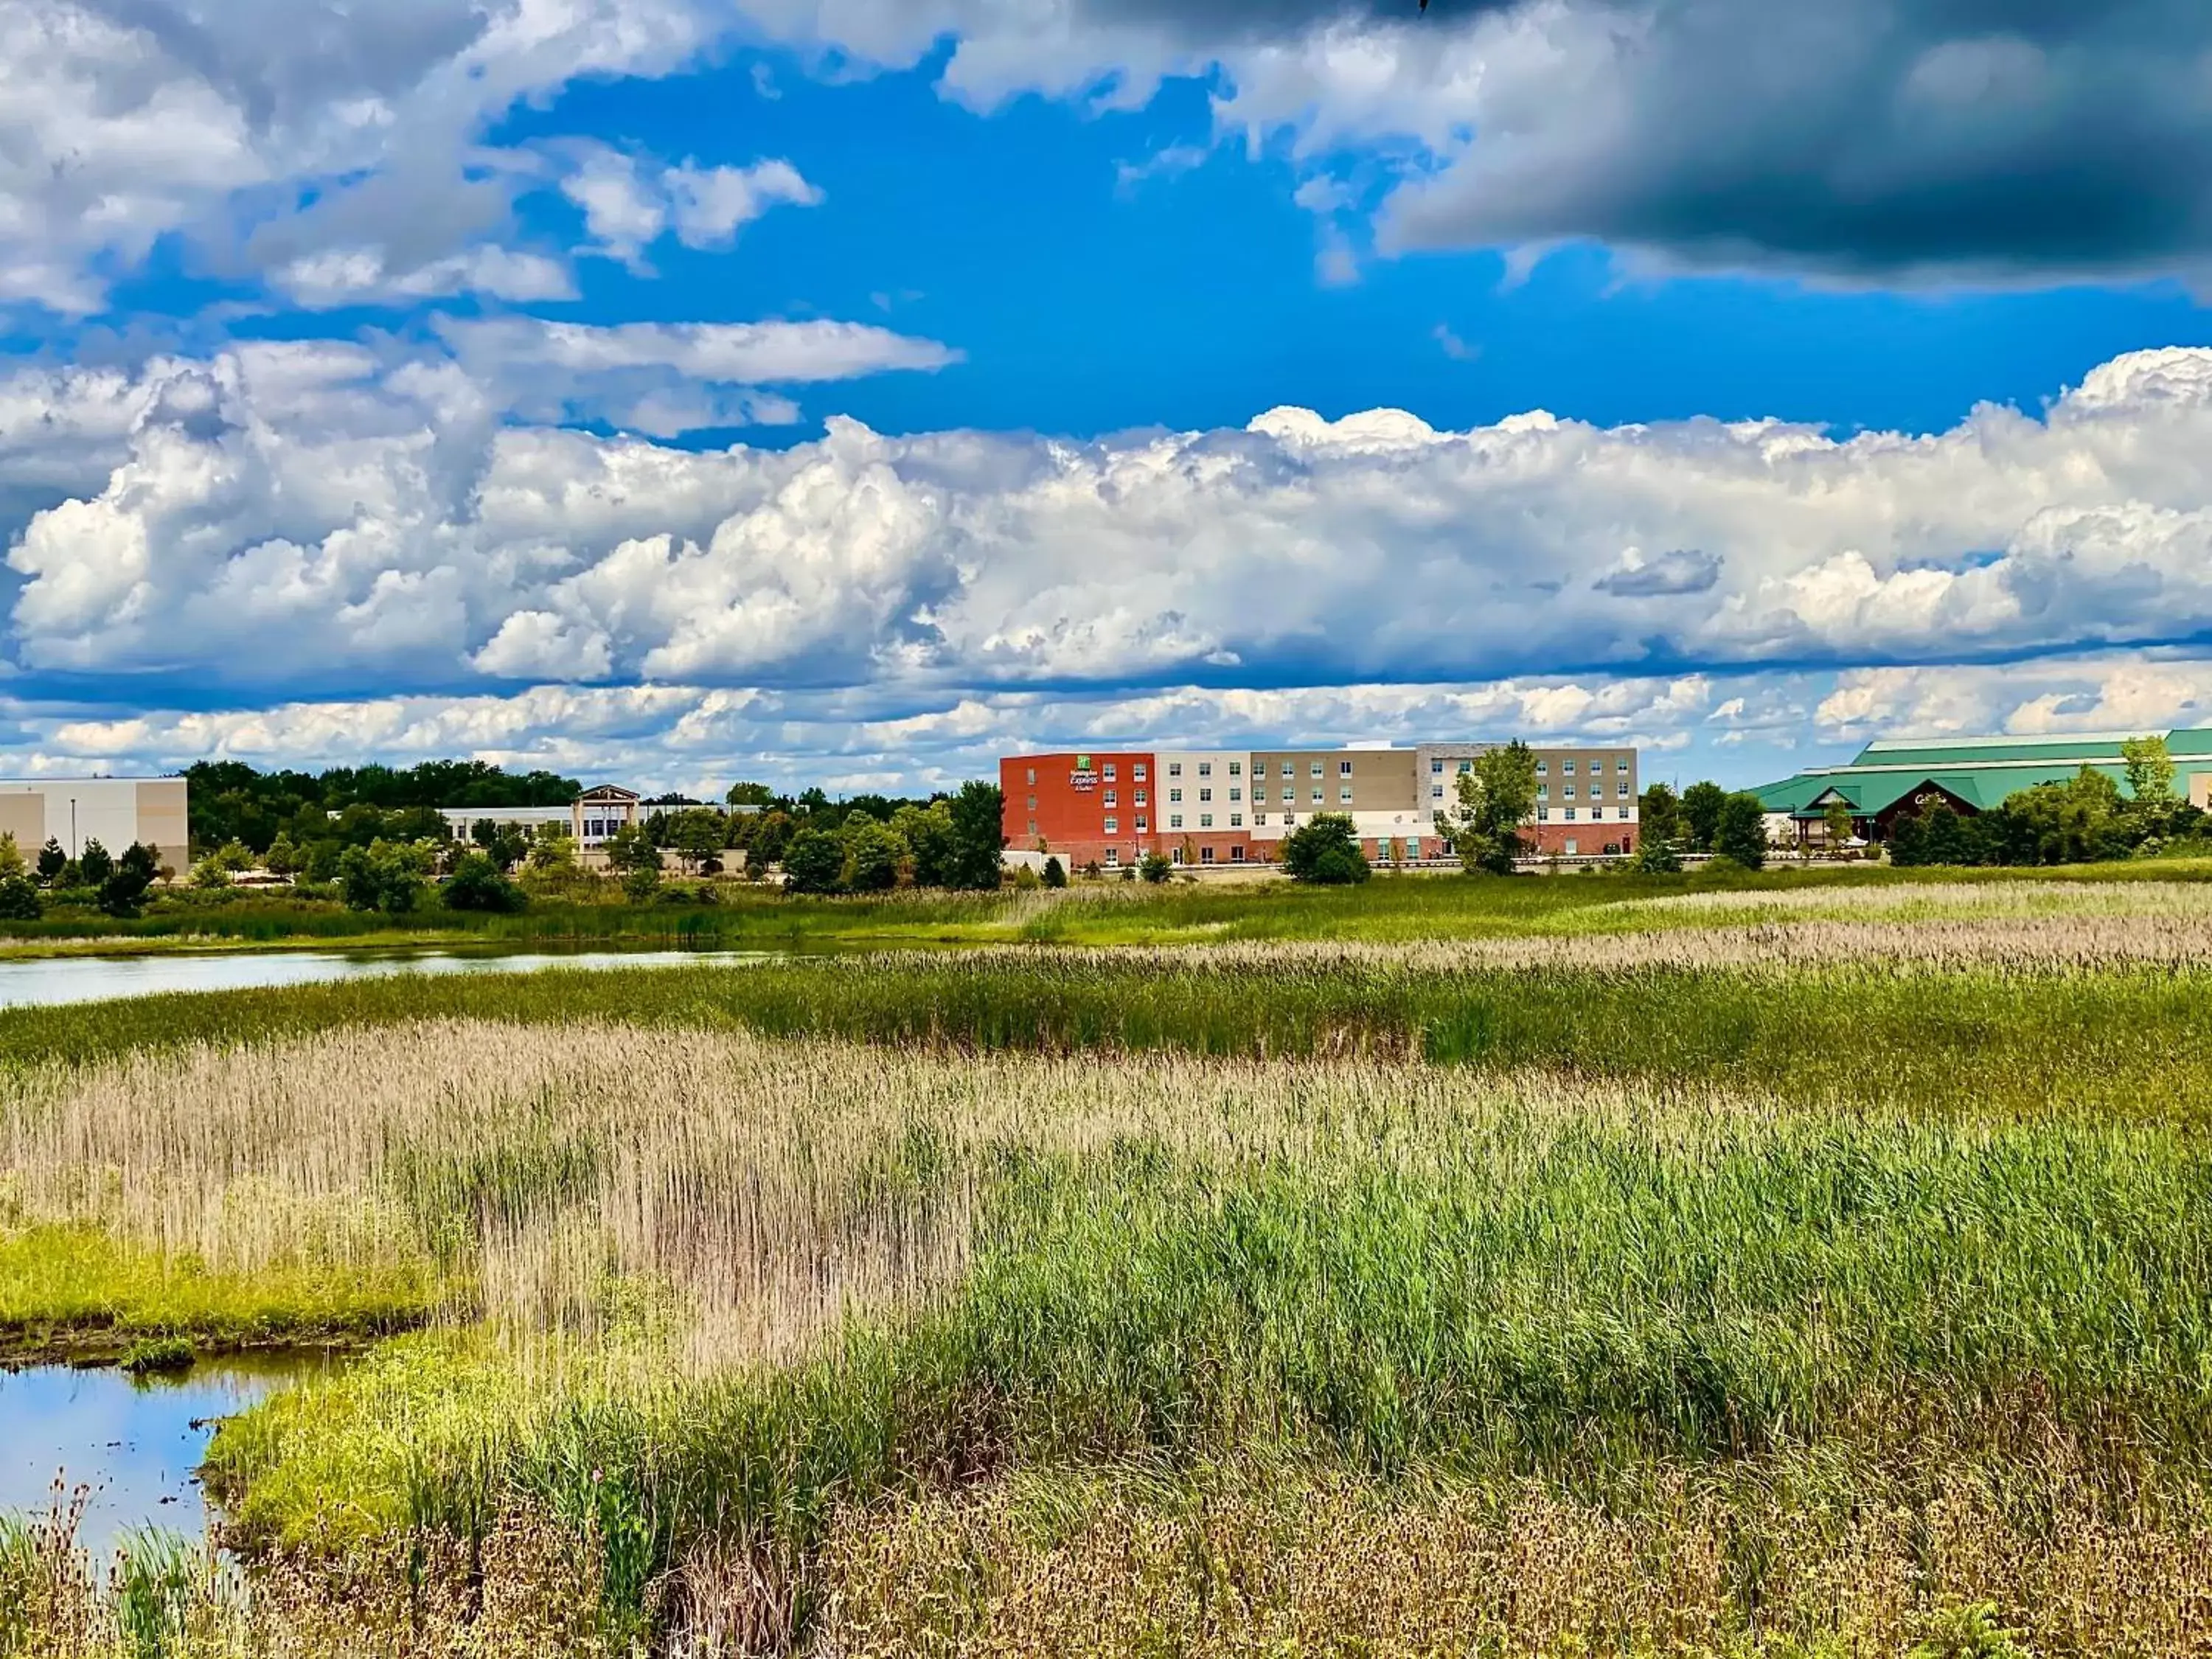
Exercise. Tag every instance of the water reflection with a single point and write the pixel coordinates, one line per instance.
(134, 1441)
(99, 979)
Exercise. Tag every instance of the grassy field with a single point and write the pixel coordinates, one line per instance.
(1785, 1270)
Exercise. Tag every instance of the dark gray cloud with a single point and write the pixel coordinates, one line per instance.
(1979, 140)
(1216, 21)
(1685, 570)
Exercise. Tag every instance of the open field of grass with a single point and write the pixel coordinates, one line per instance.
(1720, 1275)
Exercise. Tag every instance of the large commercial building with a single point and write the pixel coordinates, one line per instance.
(1975, 774)
(1220, 807)
(592, 820)
(114, 811)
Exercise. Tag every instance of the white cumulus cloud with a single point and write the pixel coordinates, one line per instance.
(323, 516)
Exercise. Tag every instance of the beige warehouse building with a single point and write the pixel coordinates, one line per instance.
(114, 811)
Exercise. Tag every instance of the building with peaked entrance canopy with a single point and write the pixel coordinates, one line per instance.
(1890, 778)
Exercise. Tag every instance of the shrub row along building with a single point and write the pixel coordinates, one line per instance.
(1891, 777)
(1217, 806)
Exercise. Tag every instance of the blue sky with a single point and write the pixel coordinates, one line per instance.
(842, 391)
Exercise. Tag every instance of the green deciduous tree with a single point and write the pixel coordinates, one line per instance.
(386, 876)
(1325, 851)
(814, 862)
(553, 853)
(1837, 817)
(873, 853)
(697, 834)
(2149, 771)
(19, 898)
(769, 840)
(974, 858)
(631, 848)
(1658, 855)
(1702, 804)
(477, 884)
(927, 833)
(1741, 833)
(1659, 814)
(1497, 796)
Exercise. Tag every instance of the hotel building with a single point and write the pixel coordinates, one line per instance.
(1217, 807)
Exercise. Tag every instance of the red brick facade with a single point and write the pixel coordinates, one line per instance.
(1086, 806)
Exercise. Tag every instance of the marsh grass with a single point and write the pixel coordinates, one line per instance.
(1395, 909)
(2051, 1025)
(707, 1291)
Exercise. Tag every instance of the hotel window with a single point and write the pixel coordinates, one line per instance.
(1467, 766)
(1289, 820)
(1033, 776)
(1143, 798)
(1317, 768)
(1237, 855)
(1318, 798)
(1543, 768)
(1112, 772)
(1259, 820)
(1206, 768)
(1113, 857)
(1175, 768)
(1436, 769)
(1543, 815)
(1033, 826)
(1178, 855)
(1113, 826)
(1206, 794)
(1032, 803)
(1259, 798)
(1236, 820)
(1435, 791)
(1205, 820)
(1568, 766)
(1175, 821)
(1173, 795)
(1569, 791)
(1143, 826)
(1623, 791)
(1113, 798)
(1344, 794)
(1289, 769)
(1205, 855)
(1571, 815)
(1344, 768)
(1138, 771)
(1236, 794)
(1237, 769)
(1543, 792)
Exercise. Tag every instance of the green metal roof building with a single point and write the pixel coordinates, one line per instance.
(1976, 773)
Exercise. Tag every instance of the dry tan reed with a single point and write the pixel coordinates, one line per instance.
(770, 1183)
(1081, 1568)
(1755, 938)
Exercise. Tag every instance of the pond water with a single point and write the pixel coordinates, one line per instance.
(134, 1441)
(99, 979)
